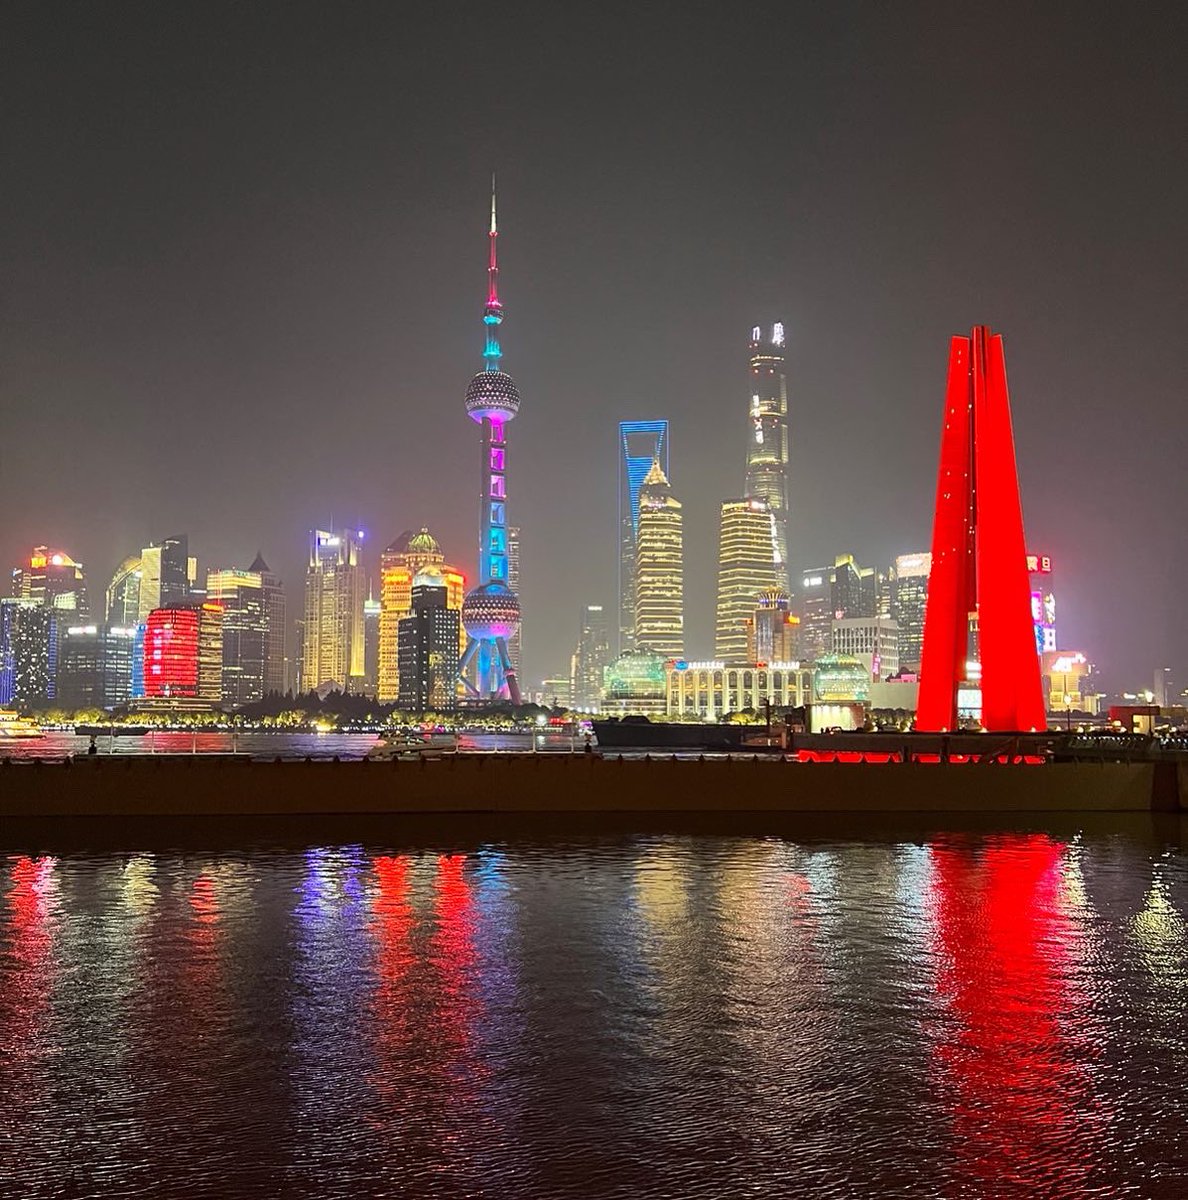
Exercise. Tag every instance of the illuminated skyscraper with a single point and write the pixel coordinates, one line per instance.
(748, 565)
(911, 596)
(123, 593)
(772, 629)
(815, 607)
(659, 569)
(28, 651)
(164, 575)
(52, 578)
(95, 666)
(333, 646)
(245, 632)
(183, 653)
(491, 612)
(276, 617)
(854, 590)
(767, 442)
(428, 646)
(641, 443)
(409, 554)
(591, 658)
(371, 619)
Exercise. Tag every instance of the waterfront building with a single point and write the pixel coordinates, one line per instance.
(815, 604)
(641, 443)
(772, 629)
(635, 685)
(427, 644)
(767, 441)
(911, 598)
(749, 565)
(28, 651)
(371, 620)
(183, 653)
(711, 690)
(491, 611)
(556, 692)
(123, 593)
(874, 641)
(333, 637)
(404, 558)
(979, 558)
(660, 569)
(276, 617)
(164, 575)
(95, 666)
(53, 579)
(245, 633)
(590, 658)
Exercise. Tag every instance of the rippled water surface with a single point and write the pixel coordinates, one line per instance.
(659, 1015)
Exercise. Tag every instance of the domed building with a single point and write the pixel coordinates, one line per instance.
(403, 560)
(635, 683)
(840, 679)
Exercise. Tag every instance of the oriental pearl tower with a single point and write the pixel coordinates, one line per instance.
(491, 611)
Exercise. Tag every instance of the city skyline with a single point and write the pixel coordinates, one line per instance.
(260, 308)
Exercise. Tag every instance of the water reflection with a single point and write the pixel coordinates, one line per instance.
(648, 1016)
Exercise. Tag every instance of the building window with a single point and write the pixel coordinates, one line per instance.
(498, 516)
(498, 487)
(497, 458)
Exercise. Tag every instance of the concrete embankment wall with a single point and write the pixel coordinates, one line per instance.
(194, 786)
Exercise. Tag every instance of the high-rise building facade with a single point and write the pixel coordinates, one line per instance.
(123, 593)
(28, 651)
(814, 602)
(409, 554)
(911, 598)
(371, 622)
(428, 646)
(333, 635)
(183, 653)
(874, 641)
(659, 569)
(95, 666)
(276, 627)
(591, 657)
(491, 611)
(772, 630)
(767, 440)
(854, 590)
(748, 566)
(641, 443)
(53, 579)
(164, 575)
(245, 632)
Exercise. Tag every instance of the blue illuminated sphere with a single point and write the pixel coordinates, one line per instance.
(491, 611)
(492, 394)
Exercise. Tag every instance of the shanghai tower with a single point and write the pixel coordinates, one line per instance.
(767, 440)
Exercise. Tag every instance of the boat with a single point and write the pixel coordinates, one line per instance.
(638, 733)
(111, 730)
(13, 725)
(408, 746)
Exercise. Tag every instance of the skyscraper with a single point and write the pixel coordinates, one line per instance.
(428, 646)
(164, 575)
(409, 554)
(245, 632)
(854, 590)
(53, 579)
(333, 646)
(123, 593)
(748, 565)
(276, 626)
(491, 612)
(772, 629)
(815, 605)
(767, 443)
(659, 569)
(641, 443)
(28, 651)
(911, 597)
(371, 620)
(183, 653)
(591, 657)
(95, 666)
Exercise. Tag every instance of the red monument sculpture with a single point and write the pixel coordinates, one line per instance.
(979, 595)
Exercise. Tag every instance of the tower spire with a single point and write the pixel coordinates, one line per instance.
(493, 313)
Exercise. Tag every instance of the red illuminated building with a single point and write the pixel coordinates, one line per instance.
(977, 625)
(183, 653)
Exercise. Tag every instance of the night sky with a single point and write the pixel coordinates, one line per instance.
(243, 253)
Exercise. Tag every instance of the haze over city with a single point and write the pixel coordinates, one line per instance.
(244, 259)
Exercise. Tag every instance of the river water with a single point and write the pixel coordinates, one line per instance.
(663, 1014)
